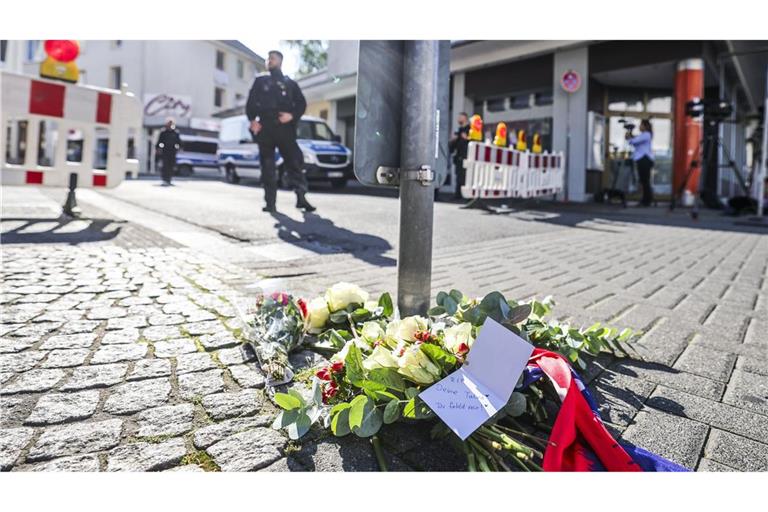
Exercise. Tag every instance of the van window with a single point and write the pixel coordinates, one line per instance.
(15, 141)
(46, 147)
(198, 146)
(234, 130)
(312, 130)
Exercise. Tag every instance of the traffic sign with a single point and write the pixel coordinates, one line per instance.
(570, 81)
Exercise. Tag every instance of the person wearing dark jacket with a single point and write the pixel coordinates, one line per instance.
(275, 105)
(168, 144)
(458, 145)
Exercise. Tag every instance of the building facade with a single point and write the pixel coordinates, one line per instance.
(621, 82)
(190, 81)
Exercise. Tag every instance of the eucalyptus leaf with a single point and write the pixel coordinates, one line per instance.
(457, 296)
(388, 377)
(391, 412)
(411, 392)
(340, 422)
(516, 405)
(300, 427)
(285, 418)
(371, 422)
(519, 314)
(357, 411)
(436, 311)
(450, 305)
(287, 402)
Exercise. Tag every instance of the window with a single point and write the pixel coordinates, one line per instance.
(239, 99)
(75, 145)
(32, 50)
(235, 129)
(131, 153)
(220, 60)
(520, 101)
(659, 104)
(197, 146)
(3, 49)
(115, 77)
(240, 69)
(218, 97)
(101, 148)
(495, 105)
(15, 141)
(46, 143)
(622, 100)
(542, 98)
(311, 130)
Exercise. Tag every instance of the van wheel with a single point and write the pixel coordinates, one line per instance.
(183, 170)
(231, 174)
(338, 184)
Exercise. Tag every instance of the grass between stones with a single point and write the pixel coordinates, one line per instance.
(202, 459)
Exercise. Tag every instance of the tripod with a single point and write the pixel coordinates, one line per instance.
(707, 147)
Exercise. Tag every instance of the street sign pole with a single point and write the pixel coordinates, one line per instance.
(419, 151)
(763, 169)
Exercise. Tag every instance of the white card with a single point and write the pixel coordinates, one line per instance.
(468, 397)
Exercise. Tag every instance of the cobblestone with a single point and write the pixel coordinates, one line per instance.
(228, 405)
(100, 376)
(64, 407)
(33, 381)
(146, 456)
(169, 420)
(200, 384)
(78, 463)
(248, 451)
(150, 369)
(210, 434)
(119, 353)
(76, 439)
(12, 442)
(135, 396)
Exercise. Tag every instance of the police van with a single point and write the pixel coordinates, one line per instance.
(325, 158)
(197, 153)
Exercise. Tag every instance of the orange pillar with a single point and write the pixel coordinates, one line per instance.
(689, 84)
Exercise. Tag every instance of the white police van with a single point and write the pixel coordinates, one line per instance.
(197, 153)
(325, 158)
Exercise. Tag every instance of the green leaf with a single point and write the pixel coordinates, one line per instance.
(360, 314)
(388, 377)
(295, 394)
(391, 412)
(457, 296)
(411, 392)
(385, 301)
(357, 411)
(339, 317)
(340, 419)
(353, 365)
(440, 298)
(287, 402)
(372, 421)
(385, 395)
(519, 314)
(516, 405)
(415, 408)
(285, 418)
(436, 311)
(299, 427)
(439, 356)
(450, 305)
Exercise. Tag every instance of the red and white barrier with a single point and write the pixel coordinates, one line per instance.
(493, 172)
(97, 116)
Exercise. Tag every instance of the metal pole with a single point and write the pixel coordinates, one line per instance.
(419, 147)
(764, 156)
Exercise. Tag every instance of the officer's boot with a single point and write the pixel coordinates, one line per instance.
(303, 204)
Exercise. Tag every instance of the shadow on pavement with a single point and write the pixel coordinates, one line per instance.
(320, 235)
(61, 230)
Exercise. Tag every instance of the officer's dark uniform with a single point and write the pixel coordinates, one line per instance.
(271, 94)
(459, 148)
(168, 143)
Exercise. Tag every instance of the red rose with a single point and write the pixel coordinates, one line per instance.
(302, 307)
(463, 349)
(281, 298)
(323, 374)
(330, 391)
(337, 366)
(423, 336)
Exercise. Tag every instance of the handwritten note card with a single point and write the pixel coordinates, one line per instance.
(465, 399)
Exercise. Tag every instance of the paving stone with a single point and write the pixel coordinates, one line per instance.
(736, 451)
(672, 378)
(128, 322)
(748, 391)
(76, 439)
(135, 301)
(20, 362)
(170, 420)
(344, 454)
(78, 463)
(150, 369)
(248, 451)
(15, 409)
(65, 358)
(718, 415)
(677, 439)
(118, 353)
(69, 341)
(21, 314)
(162, 319)
(146, 456)
(752, 365)
(223, 339)
(120, 337)
(200, 383)
(708, 363)
(135, 396)
(186, 468)
(228, 405)
(161, 332)
(196, 362)
(33, 381)
(63, 407)
(200, 328)
(99, 376)
(620, 397)
(237, 355)
(199, 316)
(12, 442)
(79, 327)
(284, 465)
(210, 434)
(248, 376)
(13, 345)
(707, 465)
(174, 348)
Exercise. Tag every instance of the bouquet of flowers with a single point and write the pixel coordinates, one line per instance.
(379, 363)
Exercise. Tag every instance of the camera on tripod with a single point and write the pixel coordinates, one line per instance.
(714, 110)
(627, 125)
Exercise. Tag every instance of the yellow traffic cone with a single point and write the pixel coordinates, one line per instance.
(475, 128)
(501, 135)
(522, 144)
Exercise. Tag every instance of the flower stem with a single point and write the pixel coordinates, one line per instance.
(379, 453)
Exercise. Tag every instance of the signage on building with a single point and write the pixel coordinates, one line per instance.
(211, 125)
(167, 105)
(570, 81)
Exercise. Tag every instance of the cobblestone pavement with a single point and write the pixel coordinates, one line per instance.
(121, 353)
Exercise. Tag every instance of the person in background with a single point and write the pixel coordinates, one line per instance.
(458, 146)
(168, 144)
(643, 158)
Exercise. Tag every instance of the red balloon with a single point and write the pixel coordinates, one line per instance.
(62, 51)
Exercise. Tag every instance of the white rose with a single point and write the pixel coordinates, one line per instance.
(317, 311)
(409, 326)
(381, 357)
(457, 336)
(340, 295)
(417, 367)
(372, 332)
(371, 305)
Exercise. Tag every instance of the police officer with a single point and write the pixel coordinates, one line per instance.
(458, 145)
(275, 105)
(167, 145)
